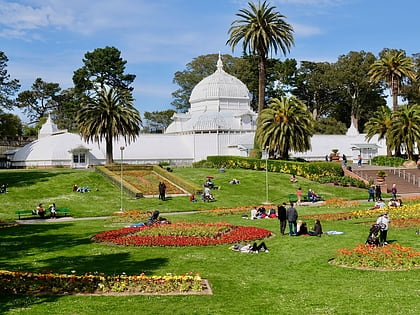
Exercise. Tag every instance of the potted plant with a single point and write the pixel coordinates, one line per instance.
(334, 156)
(380, 176)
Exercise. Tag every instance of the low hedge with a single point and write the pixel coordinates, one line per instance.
(112, 173)
(383, 160)
(310, 170)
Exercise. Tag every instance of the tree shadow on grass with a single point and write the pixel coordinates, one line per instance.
(112, 264)
(27, 240)
(25, 178)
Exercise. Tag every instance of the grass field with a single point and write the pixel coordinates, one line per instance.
(294, 277)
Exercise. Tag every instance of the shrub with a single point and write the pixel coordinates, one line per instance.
(388, 160)
(310, 170)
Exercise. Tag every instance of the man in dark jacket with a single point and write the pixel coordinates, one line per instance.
(292, 217)
(281, 215)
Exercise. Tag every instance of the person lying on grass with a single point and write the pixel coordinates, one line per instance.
(248, 248)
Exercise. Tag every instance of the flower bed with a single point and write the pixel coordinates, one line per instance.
(389, 257)
(17, 282)
(147, 182)
(182, 234)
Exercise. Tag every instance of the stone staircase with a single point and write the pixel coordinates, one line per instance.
(406, 179)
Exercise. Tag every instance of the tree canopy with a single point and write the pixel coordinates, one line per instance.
(284, 125)
(261, 29)
(40, 100)
(109, 115)
(103, 67)
(8, 87)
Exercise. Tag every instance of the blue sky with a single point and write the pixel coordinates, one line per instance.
(48, 38)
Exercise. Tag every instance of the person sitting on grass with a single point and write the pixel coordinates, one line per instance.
(248, 248)
(317, 230)
(303, 230)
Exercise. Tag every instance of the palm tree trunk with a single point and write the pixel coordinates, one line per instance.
(261, 83)
(394, 91)
(109, 149)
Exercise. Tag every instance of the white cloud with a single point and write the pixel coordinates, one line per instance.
(306, 30)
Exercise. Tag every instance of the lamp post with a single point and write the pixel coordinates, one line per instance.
(266, 151)
(122, 161)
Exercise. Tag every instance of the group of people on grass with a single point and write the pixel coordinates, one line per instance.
(40, 210)
(296, 228)
(287, 216)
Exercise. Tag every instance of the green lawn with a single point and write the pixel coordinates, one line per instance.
(294, 277)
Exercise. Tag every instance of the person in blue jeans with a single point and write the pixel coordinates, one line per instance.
(371, 193)
(292, 216)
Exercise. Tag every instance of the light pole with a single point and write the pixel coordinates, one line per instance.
(122, 161)
(266, 175)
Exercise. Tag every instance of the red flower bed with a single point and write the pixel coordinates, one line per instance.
(177, 235)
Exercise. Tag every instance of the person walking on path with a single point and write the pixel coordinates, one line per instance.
(383, 222)
(394, 191)
(359, 161)
(299, 196)
(371, 193)
(281, 215)
(292, 216)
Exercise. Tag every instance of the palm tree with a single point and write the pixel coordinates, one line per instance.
(393, 67)
(405, 128)
(109, 115)
(284, 126)
(261, 29)
(380, 124)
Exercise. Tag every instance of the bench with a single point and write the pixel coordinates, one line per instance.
(294, 198)
(24, 213)
(65, 212)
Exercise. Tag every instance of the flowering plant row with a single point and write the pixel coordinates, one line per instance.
(182, 234)
(403, 212)
(369, 256)
(17, 282)
(341, 203)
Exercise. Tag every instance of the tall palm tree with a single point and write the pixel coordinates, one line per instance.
(380, 124)
(285, 125)
(110, 114)
(405, 129)
(393, 67)
(261, 29)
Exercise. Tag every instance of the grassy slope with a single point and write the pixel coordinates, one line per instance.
(293, 276)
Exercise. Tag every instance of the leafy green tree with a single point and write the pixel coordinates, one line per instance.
(67, 108)
(380, 124)
(102, 68)
(10, 125)
(393, 67)
(40, 100)
(261, 29)
(411, 91)
(157, 121)
(405, 129)
(8, 87)
(314, 86)
(284, 126)
(109, 115)
(329, 126)
(359, 94)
